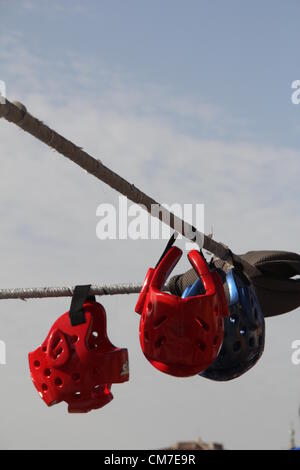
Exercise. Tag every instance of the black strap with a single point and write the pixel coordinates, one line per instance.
(80, 296)
(169, 245)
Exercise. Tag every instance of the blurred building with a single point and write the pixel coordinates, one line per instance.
(196, 445)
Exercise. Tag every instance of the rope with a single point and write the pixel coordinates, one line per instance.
(48, 292)
(17, 114)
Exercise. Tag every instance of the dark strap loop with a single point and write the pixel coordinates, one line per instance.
(80, 296)
(169, 245)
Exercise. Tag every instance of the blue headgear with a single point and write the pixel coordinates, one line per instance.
(244, 337)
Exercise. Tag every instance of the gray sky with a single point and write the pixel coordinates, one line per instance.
(192, 103)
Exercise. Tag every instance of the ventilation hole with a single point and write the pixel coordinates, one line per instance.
(260, 340)
(160, 341)
(95, 334)
(56, 343)
(201, 345)
(215, 341)
(74, 339)
(202, 323)
(58, 353)
(47, 372)
(98, 388)
(76, 377)
(251, 342)
(237, 346)
(44, 348)
(159, 321)
(36, 364)
(58, 382)
(149, 307)
(44, 387)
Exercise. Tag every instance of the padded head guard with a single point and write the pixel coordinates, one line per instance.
(244, 332)
(77, 363)
(181, 337)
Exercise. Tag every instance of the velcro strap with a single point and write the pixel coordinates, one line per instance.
(80, 296)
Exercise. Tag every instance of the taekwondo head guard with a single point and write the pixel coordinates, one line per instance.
(77, 363)
(244, 332)
(181, 337)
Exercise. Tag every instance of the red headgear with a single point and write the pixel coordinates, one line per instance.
(77, 363)
(181, 336)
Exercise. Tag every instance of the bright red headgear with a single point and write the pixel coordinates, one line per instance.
(77, 364)
(181, 336)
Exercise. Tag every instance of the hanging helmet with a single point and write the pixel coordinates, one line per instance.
(181, 337)
(244, 332)
(77, 363)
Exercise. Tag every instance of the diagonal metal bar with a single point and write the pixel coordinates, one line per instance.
(17, 114)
